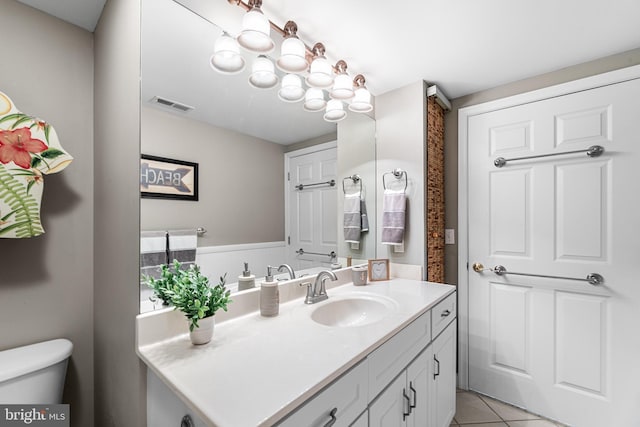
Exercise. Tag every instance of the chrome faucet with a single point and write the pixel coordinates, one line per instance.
(282, 267)
(318, 292)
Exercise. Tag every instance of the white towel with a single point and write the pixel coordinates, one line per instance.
(182, 246)
(352, 218)
(364, 219)
(394, 204)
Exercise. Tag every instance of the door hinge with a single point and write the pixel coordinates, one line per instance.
(288, 240)
(288, 176)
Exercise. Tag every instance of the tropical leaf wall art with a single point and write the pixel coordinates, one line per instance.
(29, 149)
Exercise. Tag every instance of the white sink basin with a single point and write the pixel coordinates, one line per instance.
(353, 310)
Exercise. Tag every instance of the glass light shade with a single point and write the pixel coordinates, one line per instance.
(226, 56)
(291, 89)
(335, 111)
(320, 73)
(256, 32)
(292, 56)
(342, 87)
(361, 102)
(314, 99)
(263, 74)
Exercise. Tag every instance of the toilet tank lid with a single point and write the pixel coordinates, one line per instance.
(30, 358)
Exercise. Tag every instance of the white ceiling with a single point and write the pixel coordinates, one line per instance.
(463, 46)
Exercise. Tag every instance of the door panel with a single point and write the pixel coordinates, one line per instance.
(558, 347)
(313, 217)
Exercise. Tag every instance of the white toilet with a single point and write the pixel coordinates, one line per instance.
(34, 374)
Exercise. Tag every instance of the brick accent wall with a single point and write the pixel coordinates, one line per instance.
(435, 191)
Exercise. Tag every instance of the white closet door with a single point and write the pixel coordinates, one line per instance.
(561, 348)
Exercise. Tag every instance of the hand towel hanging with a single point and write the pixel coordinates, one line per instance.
(352, 218)
(393, 217)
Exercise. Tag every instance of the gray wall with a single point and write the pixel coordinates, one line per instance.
(46, 282)
(119, 375)
(622, 60)
(241, 181)
(400, 141)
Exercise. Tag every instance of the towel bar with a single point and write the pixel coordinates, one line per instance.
(593, 151)
(329, 183)
(592, 278)
(331, 254)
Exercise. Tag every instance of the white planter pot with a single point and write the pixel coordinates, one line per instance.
(204, 333)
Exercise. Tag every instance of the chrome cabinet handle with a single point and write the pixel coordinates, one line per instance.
(436, 373)
(333, 419)
(445, 313)
(406, 398)
(415, 397)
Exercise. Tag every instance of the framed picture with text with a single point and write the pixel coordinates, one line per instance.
(378, 269)
(163, 178)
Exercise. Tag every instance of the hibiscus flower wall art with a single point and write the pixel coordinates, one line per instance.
(29, 148)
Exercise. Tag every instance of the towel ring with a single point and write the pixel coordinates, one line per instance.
(356, 179)
(398, 174)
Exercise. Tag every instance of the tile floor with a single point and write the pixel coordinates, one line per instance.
(475, 410)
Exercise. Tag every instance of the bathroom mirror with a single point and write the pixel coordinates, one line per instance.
(237, 134)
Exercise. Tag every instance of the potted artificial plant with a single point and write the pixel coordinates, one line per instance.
(192, 294)
(162, 286)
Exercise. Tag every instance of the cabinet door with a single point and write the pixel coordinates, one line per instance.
(362, 421)
(389, 409)
(418, 389)
(443, 377)
(340, 403)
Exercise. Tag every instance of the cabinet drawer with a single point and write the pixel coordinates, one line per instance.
(388, 360)
(348, 394)
(442, 314)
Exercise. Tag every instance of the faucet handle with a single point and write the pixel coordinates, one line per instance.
(309, 296)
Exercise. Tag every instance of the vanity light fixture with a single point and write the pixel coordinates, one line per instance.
(361, 102)
(293, 51)
(335, 111)
(263, 75)
(226, 56)
(297, 60)
(320, 70)
(256, 30)
(291, 89)
(314, 99)
(342, 83)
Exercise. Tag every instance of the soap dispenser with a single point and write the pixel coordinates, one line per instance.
(247, 280)
(269, 296)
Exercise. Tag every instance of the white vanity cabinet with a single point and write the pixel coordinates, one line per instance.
(443, 377)
(338, 405)
(405, 403)
(411, 380)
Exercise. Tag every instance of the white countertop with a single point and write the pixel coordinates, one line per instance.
(257, 369)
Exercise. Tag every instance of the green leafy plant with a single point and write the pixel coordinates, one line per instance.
(163, 285)
(192, 294)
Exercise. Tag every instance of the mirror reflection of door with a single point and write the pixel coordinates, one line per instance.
(311, 216)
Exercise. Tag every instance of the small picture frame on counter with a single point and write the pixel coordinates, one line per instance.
(378, 269)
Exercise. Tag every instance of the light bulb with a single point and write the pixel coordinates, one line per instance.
(314, 100)
(335, 111)
(292, 56)
(256, 32)
(226, 56)
(291, 89)
(263, 74)
(361, 102)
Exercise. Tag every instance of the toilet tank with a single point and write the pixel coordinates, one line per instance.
(34, 374)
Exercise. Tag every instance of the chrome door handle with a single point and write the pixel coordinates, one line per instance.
(445, 313)
(406, 398)
(415, 397)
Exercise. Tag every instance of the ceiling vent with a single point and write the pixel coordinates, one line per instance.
(171, 104)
